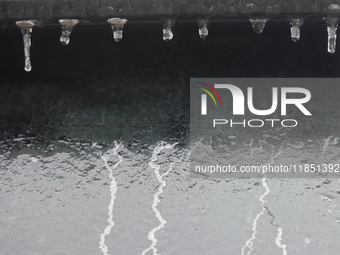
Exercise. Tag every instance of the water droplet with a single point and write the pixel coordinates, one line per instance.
(26, 30)
(258, 24)
(34, 159)
(167, 34)
(332, 25)
(307, 240)
(295, 23)
(117, 25)
(67, 26)
(167, 26)
(203, 28)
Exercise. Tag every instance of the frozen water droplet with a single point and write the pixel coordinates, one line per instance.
(203, 28)
(258, 24)
(26, 30)
(307, 240)
(331, 39)
(34, 159)
(118, 35)
(295, 23)
(295, 33)
(117, 25)
(167, 32)
(332, 25)
(67, 26)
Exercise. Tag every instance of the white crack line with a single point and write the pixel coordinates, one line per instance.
(278, 242)
(193, 148)
(151, 236)
(253, 149)
(113, 190)
(249, 243)
(327, 142)
(210, 143)
(280, 230)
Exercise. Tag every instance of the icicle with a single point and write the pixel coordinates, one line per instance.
(258, 24)
(167, 26)
(203, 28)
(332, 25)
(67, 26)
(117, 25)
(26, 30)
(295, 23)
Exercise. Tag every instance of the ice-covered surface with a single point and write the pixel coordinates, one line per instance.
(66, 127)
(61, 194)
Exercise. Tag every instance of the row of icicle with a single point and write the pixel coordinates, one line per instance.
(117, 25)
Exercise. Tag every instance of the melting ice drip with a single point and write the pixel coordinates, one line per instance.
(203, 28)
(161, 146)
(332, 25)
(117, 25)
(167, 29)
(26, 30)
(113, 190)
(295, 24)
(67, 26)
(258, 24)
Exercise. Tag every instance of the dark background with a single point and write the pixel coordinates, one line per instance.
(141, 83)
